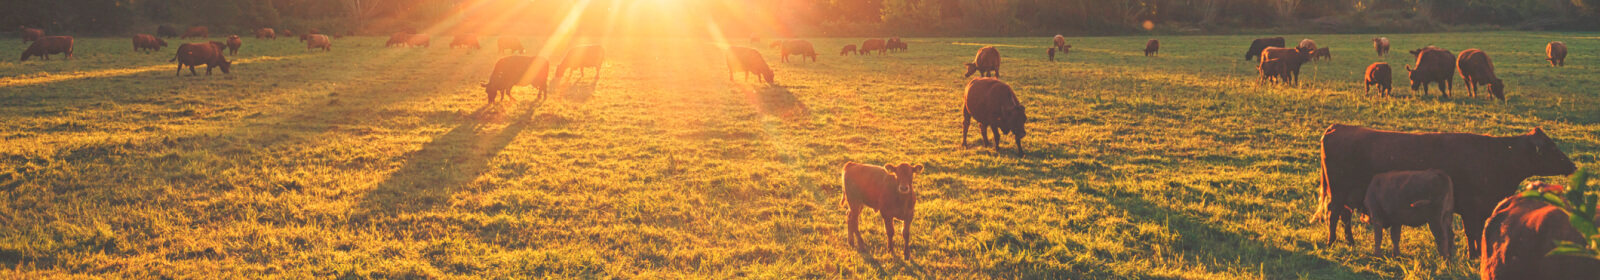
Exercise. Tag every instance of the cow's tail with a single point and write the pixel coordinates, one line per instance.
(1327, 191)
(174, 58)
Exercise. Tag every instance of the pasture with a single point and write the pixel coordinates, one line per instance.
(373, 162)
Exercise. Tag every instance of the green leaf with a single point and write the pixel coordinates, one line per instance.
(1533, 193)
(1552, 199)
(1568, 250)
(1587, 205)
(1583, 224)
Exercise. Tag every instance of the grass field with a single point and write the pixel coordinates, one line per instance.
(372, 162)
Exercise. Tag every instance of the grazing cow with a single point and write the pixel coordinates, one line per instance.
(167, 31)
(890, 189)
(234, 44)
(800, 47)
(1483, 168)
(266, 33)
(1381, 44)
(1307, 46)
(579, 57)
(1434, 65)
(465, 41)
(848, 49)
(195, 54)
(1059, 41)
(420, 40)
(1292, 60)
(1519, 234)
(995, 107)
(316, 41)
(147, 42)
(1273, 71)
(197, 32)
(513, 71)
(1412, 198)
(748, 60)
(1051, 52)
(288, 33)
(508, 43)
(1477, 70)
(402, 38)
(48, 45)
(987, 60)
(1322, 53)
(1381, 75)
(1151, 47)
(1556, 53)
(894, 44)
(31, 34)
(873, 45)
(1262, 44)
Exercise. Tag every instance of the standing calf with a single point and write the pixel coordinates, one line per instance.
(234, 44)
(1477, 70)
(1273, 71)
(987, 60)
(1051, 52)
(995, 106)
(1556, 53)
(1381, 44)
(890, 190)
(1412, 198)
(1322, 53)
(1379, 74)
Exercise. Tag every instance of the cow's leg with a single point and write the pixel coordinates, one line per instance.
(191, 71)
(983, 130)
(905, 237)
(180, 70)
(854, 235)
(966, 122)
(1019, 144)
(1377, 239)
(1394, 237)
(888, 232)
(1349, 228)
(996, 130)
(1472, 225)
(208, 70)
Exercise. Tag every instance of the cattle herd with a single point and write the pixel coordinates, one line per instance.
(1395, 179)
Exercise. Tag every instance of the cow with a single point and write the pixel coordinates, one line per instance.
(401, 39)
(1381, 75)
(512, 71)
(1051, 52)
(197, 32)
(1412, 198)
(234, 44)
(147, 42)
(1151, 47)
(48, 45)
(1262, 44)
(1483, 169)
(31, 34)
(316, 41)
(465, 41)
(419, 40)
(894, 44)
(505, 43)
(1064, 50)
(1381, 44)
(1059, 41)
(288, 33)
(167, 31)
(1477, 70)
(266, 33)
(1519, 234)
(1322, 53)
(890, 189)
(848, 49)
(195, 54)
(987, 60)
(1434, 65)
(748, 60)
(579, 57)
(873, 45)
(800, 47)
(996, 108)
(1292, 60)
(1556, 53)
(1273, 71)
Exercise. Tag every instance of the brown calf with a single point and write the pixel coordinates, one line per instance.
(995, 107)
(147, 42)
(1381, 44)
(847, 50)
(316, 41)
(987, 60)
(1151, 47)
(1381, 75)
(1412, 198)
(1434, 65)
(234, 44)
(890, 189)
(1477, 70)
(31, 34)
(1556, 53)
(195, 54)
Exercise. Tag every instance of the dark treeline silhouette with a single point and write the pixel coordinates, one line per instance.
(780, 18)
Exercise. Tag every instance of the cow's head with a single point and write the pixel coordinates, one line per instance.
(776, 43)
(1498, 88)
(971, 68)
(1541, 156)
(903, 174)
(1014, 119)
(768, 76)
(162, 42)
(225, 65)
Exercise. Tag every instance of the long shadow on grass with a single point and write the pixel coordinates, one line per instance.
(449, 161)
(1209, 243)
(776, 101)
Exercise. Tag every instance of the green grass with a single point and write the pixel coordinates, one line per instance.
(384, 163)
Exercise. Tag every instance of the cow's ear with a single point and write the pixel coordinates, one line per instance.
(1537, 131)
(916, 169)
(889, 166)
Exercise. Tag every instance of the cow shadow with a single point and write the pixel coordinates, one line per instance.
(777, 101)
(449, 161)
(578, 92)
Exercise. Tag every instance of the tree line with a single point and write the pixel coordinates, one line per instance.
(814, 17)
